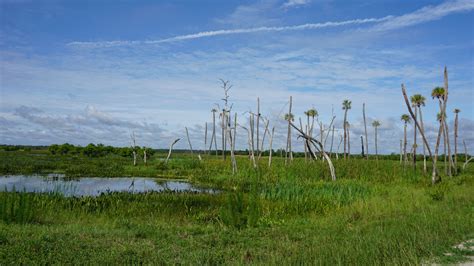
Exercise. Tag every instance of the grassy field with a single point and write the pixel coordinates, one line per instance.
(375, 213)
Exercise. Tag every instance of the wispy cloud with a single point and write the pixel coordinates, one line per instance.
(425, 14)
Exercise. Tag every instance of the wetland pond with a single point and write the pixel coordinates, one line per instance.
(93, 186)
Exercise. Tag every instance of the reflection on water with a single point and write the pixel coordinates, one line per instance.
(92, 186)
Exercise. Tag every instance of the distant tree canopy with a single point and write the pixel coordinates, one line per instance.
(99, 150)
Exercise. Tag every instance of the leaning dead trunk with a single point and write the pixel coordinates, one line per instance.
(170, 149)
(318, 146)
(362, 146)
(434, 174)
(189, 142)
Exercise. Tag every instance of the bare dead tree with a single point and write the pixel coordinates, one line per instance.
(144, 155)
(362, 145)
(170, 149)
(225, 113)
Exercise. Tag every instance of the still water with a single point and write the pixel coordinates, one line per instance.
(92, 186)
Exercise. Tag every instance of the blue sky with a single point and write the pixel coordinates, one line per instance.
(94, 71)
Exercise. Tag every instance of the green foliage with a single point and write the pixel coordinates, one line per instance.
(375, 213)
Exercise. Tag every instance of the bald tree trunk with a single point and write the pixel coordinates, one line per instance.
(345, 133)
(456, 144)
(365, 128)
(288, 141)
(405, 156)
(258, 126)
(422, 130)
(414, 140)
(450, 158)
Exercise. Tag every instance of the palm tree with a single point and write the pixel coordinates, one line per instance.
(456, 125)
(346, 105)
(289, 117)
(406, 119)
(438, 92)
(418, 100)
(376, 124)
(311, 113)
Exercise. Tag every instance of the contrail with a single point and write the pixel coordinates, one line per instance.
(310, 26)
(425, 14)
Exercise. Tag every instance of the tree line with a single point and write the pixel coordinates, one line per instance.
(99, 150)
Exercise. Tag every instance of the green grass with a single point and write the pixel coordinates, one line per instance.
(375, 213)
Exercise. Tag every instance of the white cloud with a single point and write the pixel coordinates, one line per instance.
(295, 3)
